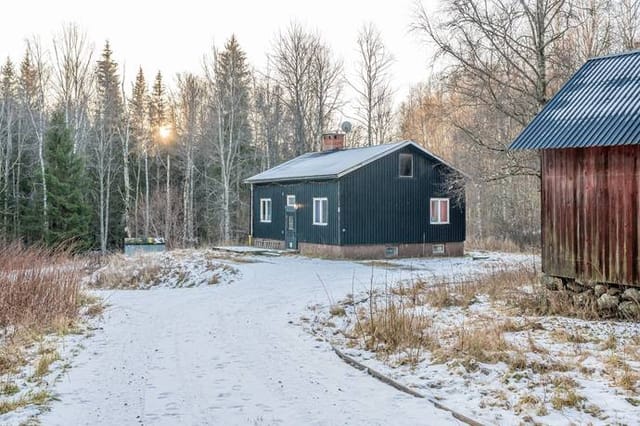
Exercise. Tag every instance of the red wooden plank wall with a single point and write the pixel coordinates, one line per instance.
(591, 214)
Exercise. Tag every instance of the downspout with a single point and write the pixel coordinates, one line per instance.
(251, 220)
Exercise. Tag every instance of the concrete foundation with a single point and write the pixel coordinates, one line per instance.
(370, 251)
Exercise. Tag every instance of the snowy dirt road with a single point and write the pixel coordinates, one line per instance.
(233, 354)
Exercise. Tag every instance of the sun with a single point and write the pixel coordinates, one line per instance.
(164, 132)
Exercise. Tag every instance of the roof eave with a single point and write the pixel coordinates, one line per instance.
(291, 179)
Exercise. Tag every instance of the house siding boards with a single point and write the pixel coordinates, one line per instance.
(591, 214)
(371, 205)
(305, 192)
(380, 207)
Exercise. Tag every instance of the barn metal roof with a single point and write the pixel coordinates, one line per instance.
(598, 106)
(332, 164)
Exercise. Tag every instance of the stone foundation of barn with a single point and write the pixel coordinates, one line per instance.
(610, 300)
(369, 251)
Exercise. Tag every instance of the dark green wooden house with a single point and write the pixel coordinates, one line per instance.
(381, 201)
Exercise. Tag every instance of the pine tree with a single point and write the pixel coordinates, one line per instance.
(105, 146)
(69, 215)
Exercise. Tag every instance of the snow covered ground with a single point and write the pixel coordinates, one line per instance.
(486, 357)
(231, 354)
(237, 352)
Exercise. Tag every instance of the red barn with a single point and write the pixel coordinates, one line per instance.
(589, 139)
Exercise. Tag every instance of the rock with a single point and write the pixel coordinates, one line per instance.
(551, 283)
(583, 298)
(608, 302)
(629, 309)
(613, 291)
(575, 287)
(600, 289)
(631, 294)
(587, 283)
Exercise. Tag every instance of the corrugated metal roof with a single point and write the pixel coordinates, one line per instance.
(331, 164)
(598, 106)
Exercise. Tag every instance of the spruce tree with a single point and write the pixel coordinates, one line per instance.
(106, 152)
(69, 214)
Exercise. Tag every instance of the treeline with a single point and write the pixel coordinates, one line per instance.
(501, 62)
(85, 156)
(86, 159)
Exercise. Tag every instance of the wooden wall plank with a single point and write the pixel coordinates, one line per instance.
(591, 213)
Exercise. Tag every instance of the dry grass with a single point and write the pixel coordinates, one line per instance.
(496, 244)
(570, 336)
(628, 379)
(37, 398)
(389, 326)
(518, 288)
(8, 389)
(337, 310)
(37, 286)
(566, 398)
(482, 343)
(499, 318)
(11, 358)
(39, 294)
(43, 364)
(448, 295)
(120, 274)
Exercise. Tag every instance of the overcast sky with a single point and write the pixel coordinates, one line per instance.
(173, 36)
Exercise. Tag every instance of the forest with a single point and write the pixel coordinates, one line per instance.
(88, 157)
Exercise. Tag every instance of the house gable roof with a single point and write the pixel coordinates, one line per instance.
(598, 106)
(333, 164)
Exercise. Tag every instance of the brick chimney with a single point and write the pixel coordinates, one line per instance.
(332, 141)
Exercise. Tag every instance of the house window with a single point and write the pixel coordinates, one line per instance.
(406, 165)
(265, 210)
(439, 211)
(291, 200)
(320, 211)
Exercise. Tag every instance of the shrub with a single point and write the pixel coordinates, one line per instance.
(37, 286)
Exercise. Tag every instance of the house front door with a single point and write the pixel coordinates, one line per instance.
(290, 237)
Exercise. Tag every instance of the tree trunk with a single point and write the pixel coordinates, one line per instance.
(127, 184)
(7, 162)
(146, 193)
(167, 221)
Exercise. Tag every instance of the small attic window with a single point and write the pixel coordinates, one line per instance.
(406, 165)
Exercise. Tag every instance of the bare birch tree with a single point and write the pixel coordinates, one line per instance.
(501, 56)
(36, 67)
(326, 84)
(294, 56)
(73, 72)
(372, 85)
(628, 23)
(191, 93)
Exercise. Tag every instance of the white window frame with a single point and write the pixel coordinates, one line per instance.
(265, 210)
(439, 220)
(289, 198)
(400, 162)
(317, 216)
